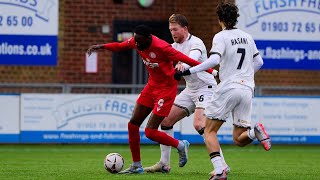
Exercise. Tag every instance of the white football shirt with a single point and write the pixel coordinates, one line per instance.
(237, 50)
(200, 79)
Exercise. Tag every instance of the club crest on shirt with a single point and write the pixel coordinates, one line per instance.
(152, 55)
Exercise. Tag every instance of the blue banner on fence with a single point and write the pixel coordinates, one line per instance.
(280, 139)
(9, 138)
(290, 54)
(28, 50)
(112, 137)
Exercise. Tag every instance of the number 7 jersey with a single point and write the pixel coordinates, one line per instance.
(237, 50)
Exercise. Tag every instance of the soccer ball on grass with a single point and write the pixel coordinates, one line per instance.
(113, 162)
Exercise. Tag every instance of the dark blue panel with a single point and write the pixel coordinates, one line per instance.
(296, 55)
(118, 137)
(9, 138)
(28, 50)
(281, 139)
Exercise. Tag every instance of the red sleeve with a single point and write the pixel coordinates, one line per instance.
(116, 46)
(177, 56)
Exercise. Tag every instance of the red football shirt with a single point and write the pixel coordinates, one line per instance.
(158, 59)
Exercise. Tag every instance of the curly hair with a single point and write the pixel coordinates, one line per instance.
(142, 30)
(228, 14)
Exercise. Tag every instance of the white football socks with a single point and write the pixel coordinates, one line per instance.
(251, 134)
(166, 150)
(217, 164)
(222, 159)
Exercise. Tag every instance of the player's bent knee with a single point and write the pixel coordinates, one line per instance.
(135, 122)
(197, 126)
(150, 133)
(238, 143)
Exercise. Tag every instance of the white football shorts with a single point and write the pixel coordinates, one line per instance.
(237, 101)
(192, 99)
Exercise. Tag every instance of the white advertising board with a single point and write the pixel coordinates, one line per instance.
(69, 118)
(9, 118)
(77, 118)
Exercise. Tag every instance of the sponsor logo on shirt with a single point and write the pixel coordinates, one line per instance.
(149, 64)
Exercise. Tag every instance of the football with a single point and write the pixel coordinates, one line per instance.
(113, 162)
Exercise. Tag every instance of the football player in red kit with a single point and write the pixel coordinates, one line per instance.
(157, 96)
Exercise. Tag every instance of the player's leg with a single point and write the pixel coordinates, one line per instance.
(163, 101)
(176, 113)
(139, 114)
(201, 99)
(213, 146)
(183, 106)
(154, 134)
(240, 136)
(199, 126)
(199, 120)
(218, 110)
(164, 98)
(243, 134)
(242, 116)
(142, 109)
(198, 115)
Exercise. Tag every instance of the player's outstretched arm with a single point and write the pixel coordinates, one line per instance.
(94, 48)
(177, 56)
(193, 54)
(114, 47)
(212, 61)
(206, 65)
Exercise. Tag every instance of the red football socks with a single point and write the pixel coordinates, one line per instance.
(134, 142)
(161, 137)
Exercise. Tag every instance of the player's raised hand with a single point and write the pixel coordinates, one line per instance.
(94, 48)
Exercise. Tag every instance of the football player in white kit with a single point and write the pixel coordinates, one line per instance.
(193, 99)
(239, 59)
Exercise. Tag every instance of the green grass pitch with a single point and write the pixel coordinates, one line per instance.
(86, 162)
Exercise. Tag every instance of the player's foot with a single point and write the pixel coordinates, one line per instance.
(227, 170)
(132, 170)
(262, 136)
(183, 154)
(222, 176)
(158, 167)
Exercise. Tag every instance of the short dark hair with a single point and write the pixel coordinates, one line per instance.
(228, 13)
(179, 19)
(143, 30)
